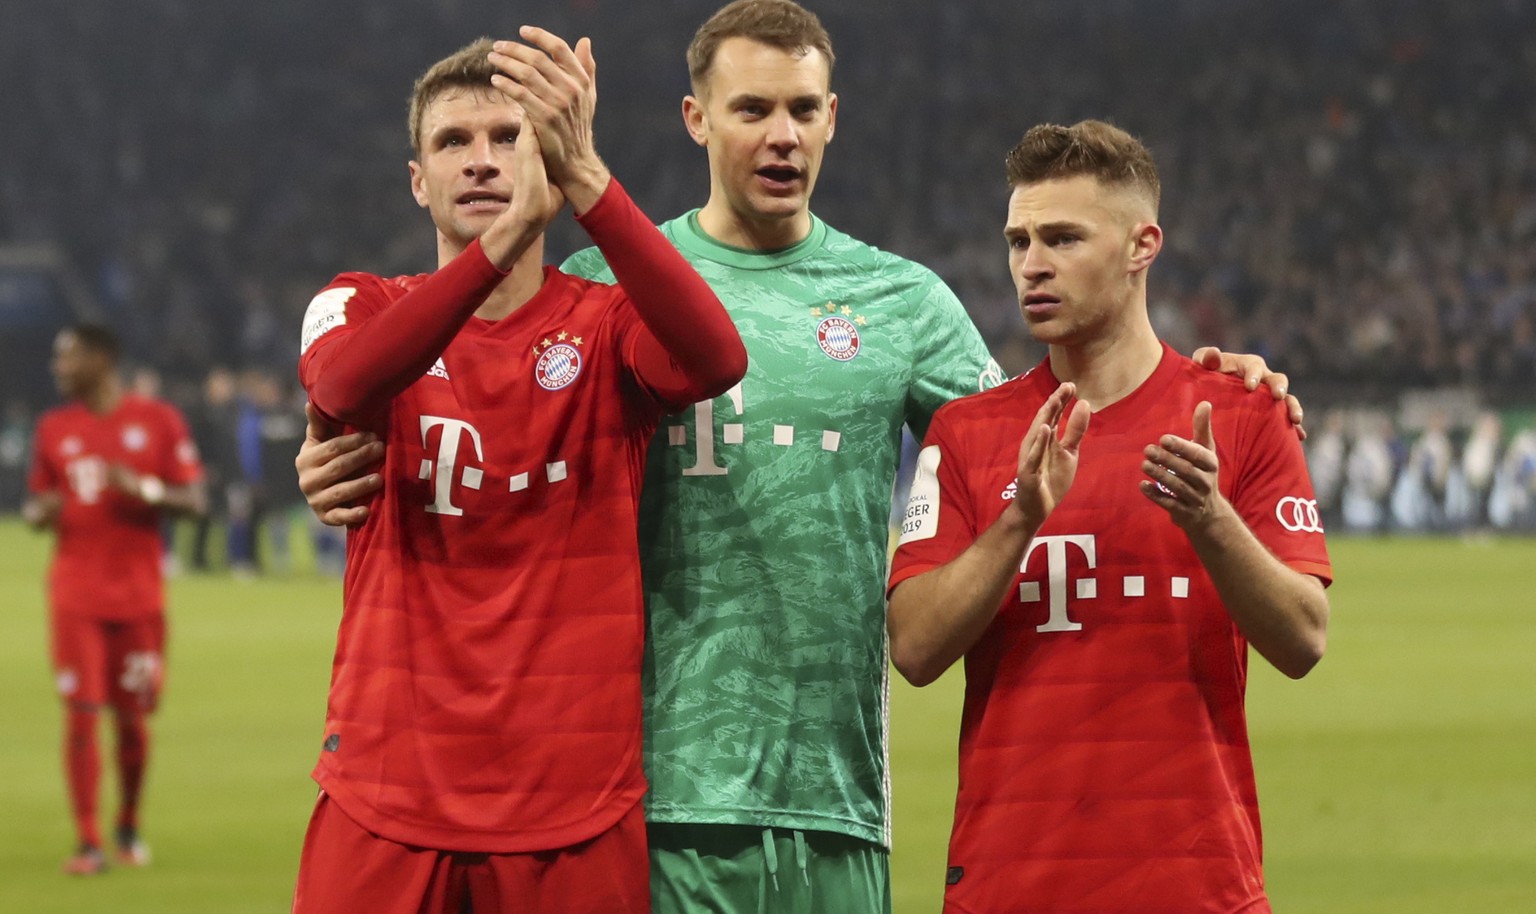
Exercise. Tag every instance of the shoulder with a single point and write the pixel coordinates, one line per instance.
(587, 263)
(164, 410)
(351, 297)
(55, 418)
(345, 286)
(1018, 398)
(1226, 393)
(892, 267)
(1241, 418)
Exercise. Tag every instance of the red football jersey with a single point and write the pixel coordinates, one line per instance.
(106, 563)
(485, 694)
(1104, 759)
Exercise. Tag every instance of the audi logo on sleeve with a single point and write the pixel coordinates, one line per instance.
(1298, 515)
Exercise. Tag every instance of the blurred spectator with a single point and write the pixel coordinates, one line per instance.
(213, 427)
(246, 495)
(282, 431)
(15, 447)
(1513, 503)
(1368, 476)
(1479, 461)
(1421, 496)
(1326, 454)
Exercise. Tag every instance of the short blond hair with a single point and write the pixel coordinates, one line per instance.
(781, 24)
(466, 68)
(1094, 148)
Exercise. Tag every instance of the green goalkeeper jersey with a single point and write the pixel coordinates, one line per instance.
(763, 532)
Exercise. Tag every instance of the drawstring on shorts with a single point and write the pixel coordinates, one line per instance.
(771, 857)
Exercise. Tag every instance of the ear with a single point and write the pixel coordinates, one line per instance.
(1146, 243)
(696, 119)
(418, 175)
(831, 115)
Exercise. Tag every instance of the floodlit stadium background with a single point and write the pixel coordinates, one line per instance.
(1349, 189)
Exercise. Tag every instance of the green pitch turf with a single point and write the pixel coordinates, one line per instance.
(1397, 778)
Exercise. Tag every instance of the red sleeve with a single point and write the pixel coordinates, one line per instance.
(1273, 492)
(939, 522)
(180, 464)
(354, 375)
(689, 349)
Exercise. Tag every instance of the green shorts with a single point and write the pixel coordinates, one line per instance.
(742, 869)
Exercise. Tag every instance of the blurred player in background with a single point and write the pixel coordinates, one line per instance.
(106, 469)
(1104, 760)
(763, 524)
(483, 736)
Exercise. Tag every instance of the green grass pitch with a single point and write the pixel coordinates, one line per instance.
(1398, 777)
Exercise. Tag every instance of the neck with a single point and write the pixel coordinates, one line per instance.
(104, 397)
(520, 284)
(1108, 368)
(727, 226)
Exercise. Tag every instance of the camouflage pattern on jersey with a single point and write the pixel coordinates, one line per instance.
(763, 532)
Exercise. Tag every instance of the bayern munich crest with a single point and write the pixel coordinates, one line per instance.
(838, 338)
(558, 366)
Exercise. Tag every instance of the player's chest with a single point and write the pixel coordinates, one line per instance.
(1109, 572)
(84, 452)
(495, 422)
(817, 367)
(1106, 547)
(128, 440)
(821, 338)
(540, 372)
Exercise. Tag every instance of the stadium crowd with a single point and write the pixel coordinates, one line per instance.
(1352, 183)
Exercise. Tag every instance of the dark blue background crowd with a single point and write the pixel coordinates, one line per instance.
(1349, 185)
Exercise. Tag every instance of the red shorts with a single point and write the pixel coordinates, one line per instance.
(121, 661)
(344, 867)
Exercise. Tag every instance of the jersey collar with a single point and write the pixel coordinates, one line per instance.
(688, 236)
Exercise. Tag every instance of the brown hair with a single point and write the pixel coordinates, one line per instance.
(466, 68)
(1094, 148)
(98, 338)
(781, 24)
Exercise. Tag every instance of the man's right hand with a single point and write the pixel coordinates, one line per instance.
(41, 511)
(1048, 461)
(556, 86)
(334, 471)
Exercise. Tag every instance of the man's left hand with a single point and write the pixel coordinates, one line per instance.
(1182, 474)
(1254, 371)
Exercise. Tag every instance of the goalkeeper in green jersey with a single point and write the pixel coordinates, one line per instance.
(764, 512)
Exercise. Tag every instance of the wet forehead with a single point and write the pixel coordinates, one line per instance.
(467, 108)
(746, 68)
(1081, 201)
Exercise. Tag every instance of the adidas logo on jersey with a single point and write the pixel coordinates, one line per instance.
(1012, 492)
(438, 370)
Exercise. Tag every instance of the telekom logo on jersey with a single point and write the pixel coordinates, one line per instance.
(1056, 561)
(441, 471)
(447, 462)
